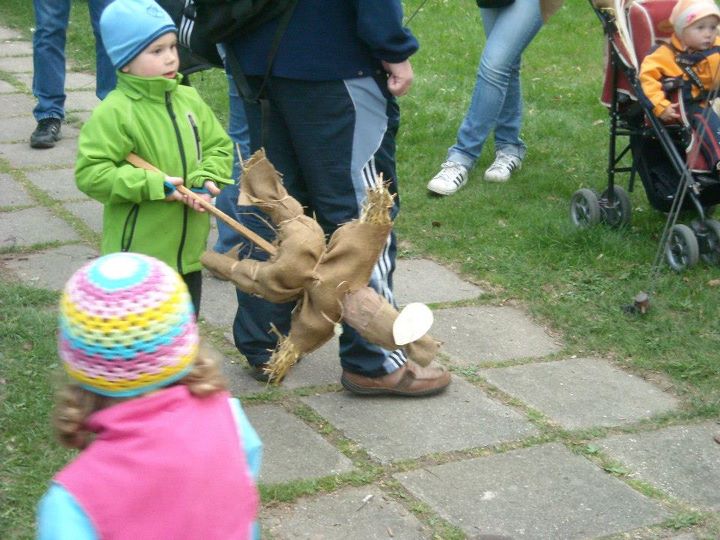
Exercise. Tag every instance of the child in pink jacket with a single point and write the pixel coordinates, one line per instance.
(165, 451)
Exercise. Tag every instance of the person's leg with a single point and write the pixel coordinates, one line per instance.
(337, 130)
(509, 121)
(104, 70)
(705, 126)
(193, 280)
(240, 134)
(255, 317)
(51, 21)
(509, 30)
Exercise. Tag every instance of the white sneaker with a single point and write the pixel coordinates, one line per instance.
(503, 166)
(452, 177)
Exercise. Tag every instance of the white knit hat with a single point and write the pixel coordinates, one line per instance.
(686, 12)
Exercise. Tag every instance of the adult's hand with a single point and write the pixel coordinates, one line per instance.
(400, 77)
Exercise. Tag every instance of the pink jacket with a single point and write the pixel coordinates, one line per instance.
(168, 465)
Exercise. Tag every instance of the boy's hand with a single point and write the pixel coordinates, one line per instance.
(174, 195)
(212, 188)
(671, 113)
(212, 191)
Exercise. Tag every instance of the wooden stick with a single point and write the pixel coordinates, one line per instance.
(263, 244)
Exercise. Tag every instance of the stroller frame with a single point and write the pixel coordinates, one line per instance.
(681, 245)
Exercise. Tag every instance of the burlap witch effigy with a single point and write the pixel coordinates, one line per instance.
(329, 279)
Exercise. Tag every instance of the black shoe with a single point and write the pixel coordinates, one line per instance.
(258, 373)
(46, 134)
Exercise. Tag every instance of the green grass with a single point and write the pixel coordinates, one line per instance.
(517, 237)
(29, 363)
(515, 240)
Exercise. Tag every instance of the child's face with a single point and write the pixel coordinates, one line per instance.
(159, 59)
(701, 34)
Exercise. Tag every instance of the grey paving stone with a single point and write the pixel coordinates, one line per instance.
(17, 129)
(240, 381)
(343, 515)
(12, 105)
(26, 79)
(81, 100)
(21, 156)
(90, 212)
(423, 280)
(74, 80)
(544, 492)
(475, 336)
(12, 193)
(50, 268)
(20, 228)
(212, 237)
(320, 367)
(16, 48)
(393, 428)
(57, 183)
(219, 302)
(219, 305)
(291, 449)
(9, 33)
(683, 461)
(79, 117)
(16, 64)
(7, 88)
(582, 392)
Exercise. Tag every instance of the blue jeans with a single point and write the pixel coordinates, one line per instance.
(497, 98)
(51, 22)
(240, 135)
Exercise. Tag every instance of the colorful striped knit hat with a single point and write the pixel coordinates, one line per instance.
(126, 326)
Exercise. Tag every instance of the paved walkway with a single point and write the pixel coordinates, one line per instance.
(526, 443)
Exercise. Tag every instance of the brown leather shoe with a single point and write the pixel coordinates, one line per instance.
(409, 380)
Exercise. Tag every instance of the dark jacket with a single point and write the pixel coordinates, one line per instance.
(330, 40)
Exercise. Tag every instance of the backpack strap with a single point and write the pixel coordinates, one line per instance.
(685, 62)
(233, 64)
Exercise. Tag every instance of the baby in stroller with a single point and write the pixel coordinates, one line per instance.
(678, 76)
(662, 68)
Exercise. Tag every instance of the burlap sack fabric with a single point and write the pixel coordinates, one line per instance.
(324, 278)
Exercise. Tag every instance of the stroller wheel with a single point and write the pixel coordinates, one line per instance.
(708, 235)
(618, 214)
(585, 208)
(681, 250)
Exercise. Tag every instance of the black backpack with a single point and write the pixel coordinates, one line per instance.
(202, 24)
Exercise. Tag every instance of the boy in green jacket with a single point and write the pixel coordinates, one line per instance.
(169, 125)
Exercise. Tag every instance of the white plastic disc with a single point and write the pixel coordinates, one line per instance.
(412, 323)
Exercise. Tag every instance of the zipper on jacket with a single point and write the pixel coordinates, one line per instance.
(171, 112)
(130, 221)
(196, 132)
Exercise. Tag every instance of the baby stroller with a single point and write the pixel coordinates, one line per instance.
(666, 157)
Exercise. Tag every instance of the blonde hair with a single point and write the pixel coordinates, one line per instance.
(75, 404)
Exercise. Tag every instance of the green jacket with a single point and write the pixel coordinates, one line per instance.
(170, 126)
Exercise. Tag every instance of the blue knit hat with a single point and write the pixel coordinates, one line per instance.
(128, 26)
